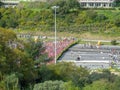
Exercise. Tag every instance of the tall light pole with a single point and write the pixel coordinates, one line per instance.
(55, 7)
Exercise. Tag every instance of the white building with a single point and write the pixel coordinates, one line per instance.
(96, 3)
(10, 3)
(83, 3)
(13, 3)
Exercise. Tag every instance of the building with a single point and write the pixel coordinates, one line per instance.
(13, 3)
(83, 3)
(10, 3)
(96, 3)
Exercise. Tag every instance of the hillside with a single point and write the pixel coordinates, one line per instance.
(71, 18)
(26, 63)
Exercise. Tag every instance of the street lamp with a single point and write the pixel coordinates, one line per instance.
(55, 7)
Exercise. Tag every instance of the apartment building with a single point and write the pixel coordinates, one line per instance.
(97, 3)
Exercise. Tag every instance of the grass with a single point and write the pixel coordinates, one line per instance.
(111, 14)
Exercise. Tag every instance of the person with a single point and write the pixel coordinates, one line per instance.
(78, 58)
(91, 46)
(98, 44)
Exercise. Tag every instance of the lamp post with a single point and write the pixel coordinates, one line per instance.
(55, 7)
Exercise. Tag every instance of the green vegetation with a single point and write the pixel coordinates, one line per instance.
(23, 66)
(118, 3)
(23, 62)
(37, 16)
(55, 85)
(114, 42)
(15, 58)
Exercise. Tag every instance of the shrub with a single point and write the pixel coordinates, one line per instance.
(114, 42)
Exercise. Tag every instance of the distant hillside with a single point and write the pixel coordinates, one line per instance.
(70, 18)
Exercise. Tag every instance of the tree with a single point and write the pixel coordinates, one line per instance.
(14, 60)
(55, 85)
(70, 86)
(116, 84)
(117, 2)
(70, 72)
(49, 85)
(9, 19)
(117, 22)
(99, 85)
(1, 3)
(105, 74)
(66, 6)
(12, 82)
(45, 74)
(35, 50)
(5, 51)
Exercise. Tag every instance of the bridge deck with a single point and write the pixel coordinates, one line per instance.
(92, 57)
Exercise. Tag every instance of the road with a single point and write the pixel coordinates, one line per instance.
(93, 58)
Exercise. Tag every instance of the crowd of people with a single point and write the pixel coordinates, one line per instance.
(60, 46)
